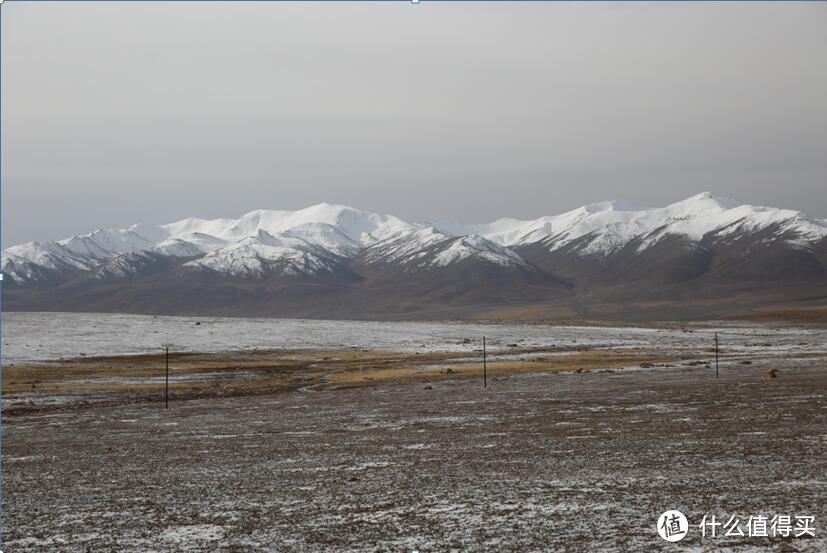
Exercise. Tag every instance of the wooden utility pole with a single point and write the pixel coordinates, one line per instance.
(484, 366)
(716, 355)
(166, 391)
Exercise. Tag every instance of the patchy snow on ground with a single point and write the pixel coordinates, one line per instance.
(52, 336)
(192, 536)
(566, 462)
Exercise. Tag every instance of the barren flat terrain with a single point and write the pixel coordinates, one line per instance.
(576, 445)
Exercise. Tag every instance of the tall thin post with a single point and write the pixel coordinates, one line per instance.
(484, 366)
(166, 391)
(716, 355)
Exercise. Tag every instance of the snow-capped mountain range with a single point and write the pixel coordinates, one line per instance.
(339, 242)
(306, 241)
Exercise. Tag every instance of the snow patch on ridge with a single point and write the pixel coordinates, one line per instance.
(431, 247)
(265, 254)
(474, 245)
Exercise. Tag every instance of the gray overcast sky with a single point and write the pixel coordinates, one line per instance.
(120, 112)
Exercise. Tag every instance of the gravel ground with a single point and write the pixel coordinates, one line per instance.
(537, 462)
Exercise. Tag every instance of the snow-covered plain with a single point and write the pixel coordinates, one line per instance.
(52, 336)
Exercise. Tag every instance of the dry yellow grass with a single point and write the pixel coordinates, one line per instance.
(269, 371)
(807, 315)
(587, 360)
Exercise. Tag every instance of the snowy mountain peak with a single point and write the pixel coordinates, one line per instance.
(476, 246)
(704, 202)
(431, 247)
(611, 205)
(264, 254)
(353, 225)
(153, 233)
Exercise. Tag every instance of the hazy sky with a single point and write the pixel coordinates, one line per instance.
(120, 112)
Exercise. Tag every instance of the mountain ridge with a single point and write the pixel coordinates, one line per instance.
(303, 262)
